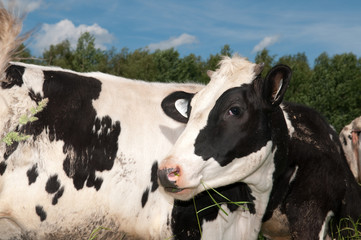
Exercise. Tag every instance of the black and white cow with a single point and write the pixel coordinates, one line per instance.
(351, 143)
(286, 156)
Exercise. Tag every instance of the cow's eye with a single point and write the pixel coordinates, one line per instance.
(234, 111)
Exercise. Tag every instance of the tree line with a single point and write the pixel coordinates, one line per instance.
(332, 86)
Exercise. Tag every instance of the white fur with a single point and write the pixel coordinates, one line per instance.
(293, 175)
(291, 129)
(323, 232)
(348, 148)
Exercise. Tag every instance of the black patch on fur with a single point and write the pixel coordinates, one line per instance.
(53, 184)
(32, 174)
(168, 105)
(145, 197)
(40, 212)
(154, 177)
(3, 166)
(10, 149)
(226, 137)
(184, 221)
(90, 143)
(344, 141)
(98, 151)
(35, 97)
(94, 181)
(57, 195)
(14, 76)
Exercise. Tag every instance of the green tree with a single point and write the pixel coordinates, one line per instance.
(138, 65)
(190, 69)
(226, 50)
(86, 56)
(167, 64)
(116, 61)
(268, 61)
(59, 55)
(335, 90)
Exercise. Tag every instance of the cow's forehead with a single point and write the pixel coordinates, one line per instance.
(233, 72)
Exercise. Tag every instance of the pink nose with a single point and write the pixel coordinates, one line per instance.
(168, 178)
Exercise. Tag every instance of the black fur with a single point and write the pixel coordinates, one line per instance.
(40, 212)
(57, 195)
(3, 166)
(14, 76)
(323, 181)
(169, 107)
(53, 184)
(145, 197)
(153, 177)
(32, 174)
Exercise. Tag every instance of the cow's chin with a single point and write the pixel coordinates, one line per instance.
(183, 194)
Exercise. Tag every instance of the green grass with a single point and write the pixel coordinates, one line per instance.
(95, 233)
(28, 117)
(348, 228)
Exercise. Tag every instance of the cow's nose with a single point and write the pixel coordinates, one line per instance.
(168, 178)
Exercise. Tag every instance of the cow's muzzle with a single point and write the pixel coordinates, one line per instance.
(168, 179)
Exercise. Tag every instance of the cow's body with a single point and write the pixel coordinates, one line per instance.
(351, 143)
(316, 185)
(287, 155)
(91, 158)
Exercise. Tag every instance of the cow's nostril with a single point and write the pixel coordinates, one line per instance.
(173, 174)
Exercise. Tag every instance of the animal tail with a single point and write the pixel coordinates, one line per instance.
(10, 38)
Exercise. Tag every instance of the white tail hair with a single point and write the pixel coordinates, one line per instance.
(10, 39)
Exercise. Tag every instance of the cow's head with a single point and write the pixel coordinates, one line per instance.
(228, 137)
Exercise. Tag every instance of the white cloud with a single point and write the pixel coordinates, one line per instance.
(51, 34)
(25, 5)
(31, 5)
(173, 42)
(266, 42)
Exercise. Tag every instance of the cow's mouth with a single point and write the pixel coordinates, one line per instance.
(174, 189)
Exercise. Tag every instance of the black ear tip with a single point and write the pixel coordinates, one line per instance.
(283, 70)
(286, 69)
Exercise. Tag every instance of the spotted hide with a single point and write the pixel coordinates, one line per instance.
(351, 144)
(91, 157)
(288, 159)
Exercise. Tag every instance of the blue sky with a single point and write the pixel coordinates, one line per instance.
(201, 27)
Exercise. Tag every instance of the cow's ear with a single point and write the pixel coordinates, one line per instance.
(275, 84)
(176, 105)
